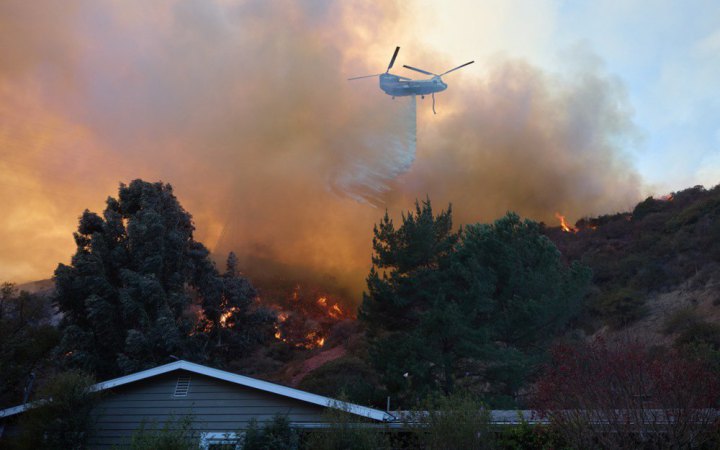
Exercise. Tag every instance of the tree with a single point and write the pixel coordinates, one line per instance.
(347, 431)
(277, 434)
(62, 418)
(415, 328)
(175, 434)
(140, 289)
(523, 293)
(623, 395)
(477, 305)
(27, 338)
(460, 420)
(233, 322)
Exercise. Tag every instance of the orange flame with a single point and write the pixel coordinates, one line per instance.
(563, 224)
(226, 315)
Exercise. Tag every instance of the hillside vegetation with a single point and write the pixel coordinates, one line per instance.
(655, 269)
(655, 273)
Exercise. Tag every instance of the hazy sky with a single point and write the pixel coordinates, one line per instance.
(581, 107)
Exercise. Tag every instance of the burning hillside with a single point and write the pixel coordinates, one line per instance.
(306, 315)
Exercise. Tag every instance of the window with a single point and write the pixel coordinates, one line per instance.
(221, 440)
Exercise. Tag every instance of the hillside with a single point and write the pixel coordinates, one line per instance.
(655, 269)
(656, 276)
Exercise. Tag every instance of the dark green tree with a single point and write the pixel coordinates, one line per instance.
(234, 321)
(27, 338)
(62, 419)
(417, 331)
(475, 306)
(140, 288)
(525, 294)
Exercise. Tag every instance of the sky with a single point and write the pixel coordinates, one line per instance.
(582, 108)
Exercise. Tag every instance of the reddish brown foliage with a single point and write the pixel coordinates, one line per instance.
(623, 396)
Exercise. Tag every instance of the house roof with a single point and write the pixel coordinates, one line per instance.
(241, 380)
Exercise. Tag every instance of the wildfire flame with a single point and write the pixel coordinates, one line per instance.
(307, 321)
(226, 315)
(563, 224)
(667, 198)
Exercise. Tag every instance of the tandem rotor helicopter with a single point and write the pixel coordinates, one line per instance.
(399, 86)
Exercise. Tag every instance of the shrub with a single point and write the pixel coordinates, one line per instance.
(347, 432)
(621, 307)
(623, 396)
(680, 320)
(62, 420)
(175, 434)
(526, 436)
(348, 375)
(277, 434)
(700, 332)
(458, 421)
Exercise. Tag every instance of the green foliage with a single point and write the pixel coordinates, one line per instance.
(347, 431)
(140, 289)
(415, 330)
(277, 434)
(679, 320)
(621, 307)
(442, 305)
(648, 206)
(663, 243)
(530, 437)
(700, 333)
(460, 420)
(175, 434)
(348, 375)
(62, 420)
(27, 338)
(530, 294)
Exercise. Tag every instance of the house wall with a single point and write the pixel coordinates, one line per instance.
(214, 405)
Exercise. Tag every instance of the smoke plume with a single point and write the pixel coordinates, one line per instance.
(245, 109)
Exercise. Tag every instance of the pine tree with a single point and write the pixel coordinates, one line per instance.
(529, 294)
(417, 329)
(140, 288)
(476, 305)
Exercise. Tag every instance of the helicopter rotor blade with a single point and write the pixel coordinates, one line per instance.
(419, 70)
(392, 61)
(458, 67)
(365, 76)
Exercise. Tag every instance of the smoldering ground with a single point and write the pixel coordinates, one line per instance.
(245, 109)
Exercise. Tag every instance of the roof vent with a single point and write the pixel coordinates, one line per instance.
(182, 387)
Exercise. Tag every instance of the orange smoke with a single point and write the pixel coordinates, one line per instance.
(245, 109)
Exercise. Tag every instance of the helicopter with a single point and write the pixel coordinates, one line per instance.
(399, 86)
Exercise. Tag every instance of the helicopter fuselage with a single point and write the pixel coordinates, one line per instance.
(395, 86)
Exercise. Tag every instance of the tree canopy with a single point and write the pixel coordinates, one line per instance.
(140, 289)
(477, 305)
(27, 337)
